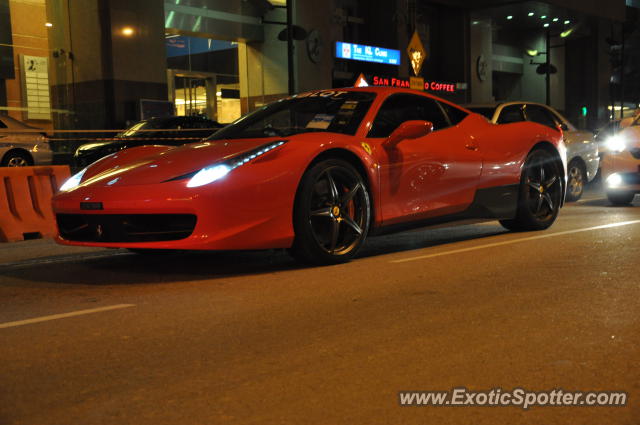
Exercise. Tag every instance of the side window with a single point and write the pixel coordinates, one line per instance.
(455, 115)
(510, 114)
(194, 123)
(406, 107)
(173, 124)
(540, 115)
(198, 124)
(2, 125)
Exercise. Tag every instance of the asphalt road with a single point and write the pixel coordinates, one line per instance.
(108, 337)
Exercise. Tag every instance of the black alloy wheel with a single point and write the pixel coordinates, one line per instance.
(16, 159)
(540, 193)
(576, 180)
(331, 214)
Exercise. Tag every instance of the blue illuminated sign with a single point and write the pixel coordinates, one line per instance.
(360, 52)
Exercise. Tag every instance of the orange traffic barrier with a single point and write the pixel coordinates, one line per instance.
(25, 201)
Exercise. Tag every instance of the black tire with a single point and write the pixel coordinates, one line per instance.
(16, 159)
(576, 180)
(540, 193)
(620, 198)
(331, 214)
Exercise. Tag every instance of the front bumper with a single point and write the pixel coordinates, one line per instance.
(624, 164)
(245, 216)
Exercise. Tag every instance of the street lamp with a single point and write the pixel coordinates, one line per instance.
(546, 68)
(289, 34)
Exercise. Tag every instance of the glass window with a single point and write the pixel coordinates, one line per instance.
(455, 114)
(406, 107)
(556, 116)
(329, 111)
(540, 115)
(510, 114)
(487, 112)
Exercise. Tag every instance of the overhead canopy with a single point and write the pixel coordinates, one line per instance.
(613, 9)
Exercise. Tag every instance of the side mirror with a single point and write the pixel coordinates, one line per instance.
(409, 130)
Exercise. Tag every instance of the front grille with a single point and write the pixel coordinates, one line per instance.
(125, 227)
(635, 153)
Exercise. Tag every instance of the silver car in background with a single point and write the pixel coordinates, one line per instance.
(20, 148)
(582, 149)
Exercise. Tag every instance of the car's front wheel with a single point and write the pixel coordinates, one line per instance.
(576, 180)
(540, 193)
(331, 214)
(620, 198)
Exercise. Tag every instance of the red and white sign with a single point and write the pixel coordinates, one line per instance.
(398, 82)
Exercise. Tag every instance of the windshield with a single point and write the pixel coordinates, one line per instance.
(151, 124)
(332, 111)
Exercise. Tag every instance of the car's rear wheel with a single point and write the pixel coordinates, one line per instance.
(331, 214)
(620, 198)
(540, 193)
(576, 180)
(16, 159)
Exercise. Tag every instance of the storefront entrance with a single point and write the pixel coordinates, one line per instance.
(197, 93)
(203, 77)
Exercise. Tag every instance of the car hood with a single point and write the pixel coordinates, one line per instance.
(157, 164)
(97, 146)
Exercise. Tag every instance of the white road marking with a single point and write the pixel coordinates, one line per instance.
(512, 241)
(64, 315)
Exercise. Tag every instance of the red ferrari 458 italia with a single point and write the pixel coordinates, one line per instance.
(317, 173)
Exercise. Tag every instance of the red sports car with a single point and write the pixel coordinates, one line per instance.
(317, 173)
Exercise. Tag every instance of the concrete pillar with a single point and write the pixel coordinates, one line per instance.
(481, 52)
(113, 54)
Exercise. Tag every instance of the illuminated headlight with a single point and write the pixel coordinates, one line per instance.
(218, 171)
(616, 143)
(72, 181)
(614, 180)
(209, 175)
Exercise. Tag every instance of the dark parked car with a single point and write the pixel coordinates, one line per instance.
(181, 130)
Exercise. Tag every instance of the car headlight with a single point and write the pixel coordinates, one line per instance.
(217, 171)
(616, 143)
(72, 181)
(614, 180)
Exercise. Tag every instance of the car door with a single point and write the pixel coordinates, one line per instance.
(579, 143)
(429, 176)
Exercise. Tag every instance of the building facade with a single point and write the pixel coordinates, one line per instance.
(101, 64)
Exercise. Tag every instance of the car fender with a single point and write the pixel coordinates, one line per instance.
(322, 145)
(504, 149)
